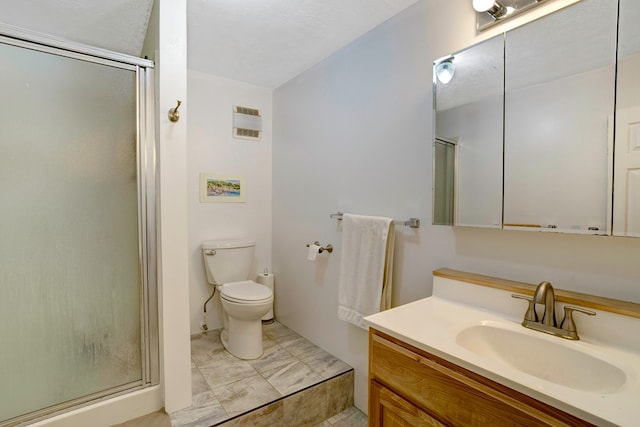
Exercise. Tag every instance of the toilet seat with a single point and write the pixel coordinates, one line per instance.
(246, 291)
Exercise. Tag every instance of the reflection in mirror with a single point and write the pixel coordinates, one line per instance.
(443, 179)
(468, 130)
(559, 99)
(626, 192)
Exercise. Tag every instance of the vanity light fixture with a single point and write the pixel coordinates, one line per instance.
(490, 12)
(493, 8)
(445, 70)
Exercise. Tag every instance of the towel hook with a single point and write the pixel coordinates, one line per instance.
(174, 114)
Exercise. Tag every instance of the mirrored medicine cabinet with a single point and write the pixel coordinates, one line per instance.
(535, 129)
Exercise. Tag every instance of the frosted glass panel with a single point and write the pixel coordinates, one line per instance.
(70, 281)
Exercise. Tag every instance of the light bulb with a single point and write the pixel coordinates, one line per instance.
(445, 71)
(493, 8)
(483, 5)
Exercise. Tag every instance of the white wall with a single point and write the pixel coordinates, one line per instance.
(173, 266)
(212, 149)
(354, 134)
(629, 83)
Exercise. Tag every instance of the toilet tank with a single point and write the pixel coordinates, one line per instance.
(227, 260)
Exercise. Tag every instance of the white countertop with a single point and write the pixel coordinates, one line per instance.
(432, 324)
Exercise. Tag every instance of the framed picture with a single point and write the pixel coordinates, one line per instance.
(222, 188)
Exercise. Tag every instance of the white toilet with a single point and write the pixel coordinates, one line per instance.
(244, 302)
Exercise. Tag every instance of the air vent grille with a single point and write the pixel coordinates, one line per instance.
(247, 123)
(247, 133)
(248, 111)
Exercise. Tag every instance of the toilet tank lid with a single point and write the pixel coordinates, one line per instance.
(227, 244)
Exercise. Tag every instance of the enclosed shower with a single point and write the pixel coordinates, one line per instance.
(78, 303)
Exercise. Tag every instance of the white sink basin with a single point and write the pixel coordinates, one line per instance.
(478, 328)
(546, 357)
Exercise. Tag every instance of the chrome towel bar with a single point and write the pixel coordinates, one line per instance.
(411, 222)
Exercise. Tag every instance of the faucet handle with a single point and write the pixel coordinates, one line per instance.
(531, 314)
(567, 323)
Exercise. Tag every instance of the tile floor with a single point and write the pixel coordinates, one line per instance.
(351, 417)
(225, 389)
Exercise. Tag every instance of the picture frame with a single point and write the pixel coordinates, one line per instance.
(215, 188)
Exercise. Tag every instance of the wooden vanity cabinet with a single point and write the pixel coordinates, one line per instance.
(411, 387)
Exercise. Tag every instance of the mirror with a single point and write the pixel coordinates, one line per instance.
(559, 106)
(467, 150)
(564, 106)
(626, 192)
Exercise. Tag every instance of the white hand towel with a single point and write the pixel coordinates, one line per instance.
(365, 267)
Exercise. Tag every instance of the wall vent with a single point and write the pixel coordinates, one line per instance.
(247, 123)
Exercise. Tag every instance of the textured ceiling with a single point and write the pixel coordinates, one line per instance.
(269, 42)
(263, 42)
(117, 25)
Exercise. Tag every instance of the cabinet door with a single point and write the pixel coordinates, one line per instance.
(390, 410)
(450, 393)
(468, 121)
(626, 167)
(559, 105)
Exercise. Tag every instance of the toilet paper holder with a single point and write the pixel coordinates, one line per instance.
(328, 248)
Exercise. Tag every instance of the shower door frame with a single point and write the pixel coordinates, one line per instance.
(146, 172)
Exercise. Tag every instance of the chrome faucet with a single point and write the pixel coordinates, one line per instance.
(544, 294)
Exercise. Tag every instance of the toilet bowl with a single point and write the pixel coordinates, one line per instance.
(244, 302)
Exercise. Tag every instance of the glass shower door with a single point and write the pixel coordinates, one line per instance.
(70, 253)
